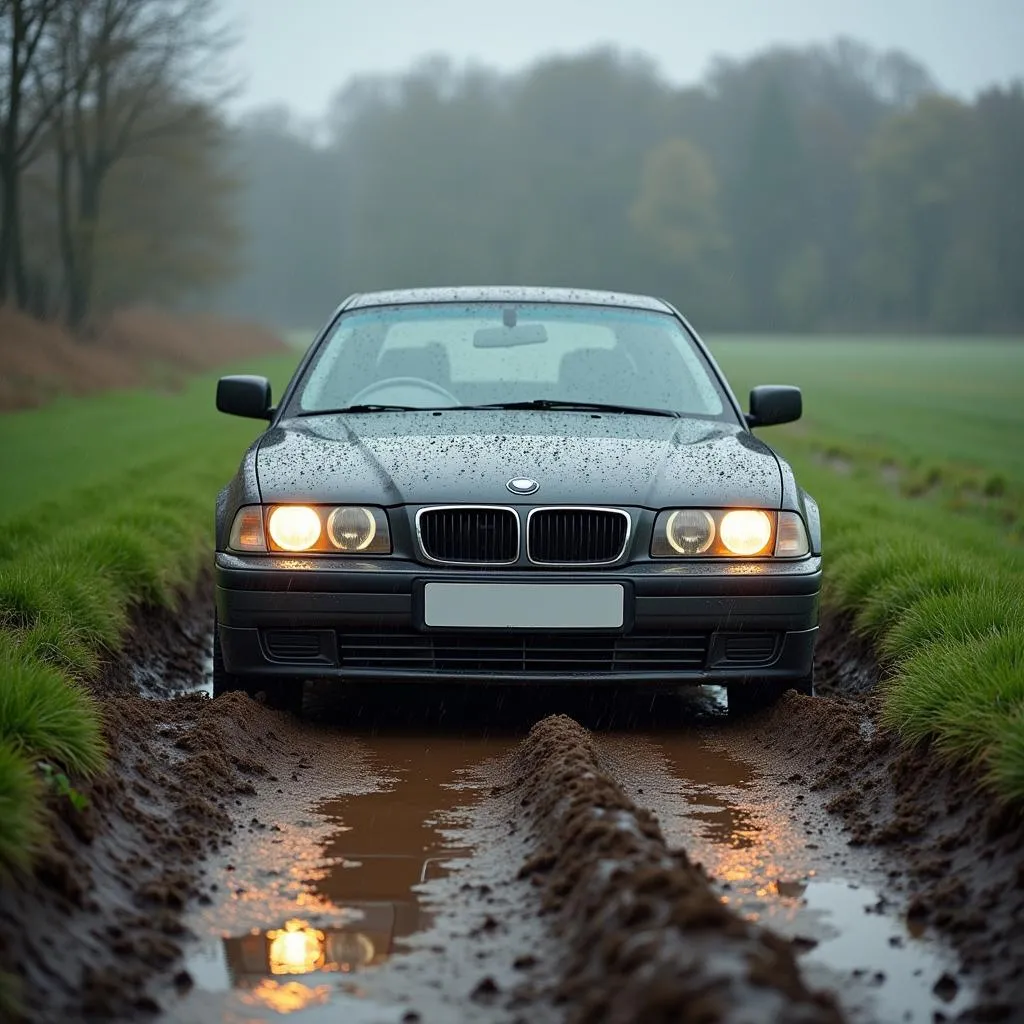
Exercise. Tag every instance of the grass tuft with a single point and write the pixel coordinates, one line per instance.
(44, 716)
(960, 693)
(1007, 764)
(21, 827)
(957, 616)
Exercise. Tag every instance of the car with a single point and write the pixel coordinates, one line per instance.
(516, 486)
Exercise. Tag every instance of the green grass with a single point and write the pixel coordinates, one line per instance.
(108, 503)
(913, 450)
(935, 399)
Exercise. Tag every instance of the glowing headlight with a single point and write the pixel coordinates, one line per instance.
(728, 533)
(311, 529)
(294, 527)
(746, 531)
(690, 531)
(351, 528)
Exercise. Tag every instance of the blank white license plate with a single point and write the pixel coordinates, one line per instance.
(524, 605)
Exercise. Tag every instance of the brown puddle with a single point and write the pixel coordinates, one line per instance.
(365, 896)
(794, 873)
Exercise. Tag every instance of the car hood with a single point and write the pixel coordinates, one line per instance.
(469, 456)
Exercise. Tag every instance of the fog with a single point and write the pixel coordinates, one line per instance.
(793, 166)
(297, 54)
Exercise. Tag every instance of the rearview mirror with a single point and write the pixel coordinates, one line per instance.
(510, 337)
(774, 403)
(244, 395)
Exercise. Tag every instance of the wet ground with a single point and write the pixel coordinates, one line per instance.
(422, 854)
(792, 871)
(315, 898)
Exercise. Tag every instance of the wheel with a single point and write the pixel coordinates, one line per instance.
(755, 695)
(804, 686)
(758, 694)
(279, 694)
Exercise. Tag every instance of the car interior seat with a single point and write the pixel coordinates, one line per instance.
(427, 362)
(596, 375)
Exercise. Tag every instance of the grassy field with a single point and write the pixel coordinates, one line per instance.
(914, 451)
(108, 502)
(941, 400)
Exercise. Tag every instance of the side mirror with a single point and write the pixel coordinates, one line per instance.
(774, 403)
(244, 395)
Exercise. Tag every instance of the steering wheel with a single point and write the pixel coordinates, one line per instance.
(360, 398)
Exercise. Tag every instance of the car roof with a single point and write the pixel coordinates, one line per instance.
(507, 293)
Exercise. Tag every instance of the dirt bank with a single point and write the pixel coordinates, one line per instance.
(128, 349)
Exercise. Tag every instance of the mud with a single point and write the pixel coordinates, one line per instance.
(101, 913)
(452, 863)
(98, 925)
(165, 655)
(955, 856)
(779, 858)
(419, 861)
(648, 938)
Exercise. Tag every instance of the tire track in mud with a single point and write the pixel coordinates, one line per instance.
(400, 900)
(777, 857)
(637, 934)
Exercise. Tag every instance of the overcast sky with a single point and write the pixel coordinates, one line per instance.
(300, 51)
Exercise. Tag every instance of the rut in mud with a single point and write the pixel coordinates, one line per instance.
(435, 855)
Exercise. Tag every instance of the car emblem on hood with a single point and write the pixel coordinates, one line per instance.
(522, 485)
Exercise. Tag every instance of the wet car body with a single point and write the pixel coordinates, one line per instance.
(520, 540)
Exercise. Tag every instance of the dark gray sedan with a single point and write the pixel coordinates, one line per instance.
(513, 485)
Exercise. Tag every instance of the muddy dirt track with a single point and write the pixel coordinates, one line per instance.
(414, 854)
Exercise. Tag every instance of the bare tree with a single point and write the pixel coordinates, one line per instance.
(130, 74)
(26, 105)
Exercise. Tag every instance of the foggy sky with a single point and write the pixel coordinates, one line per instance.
(299, 52)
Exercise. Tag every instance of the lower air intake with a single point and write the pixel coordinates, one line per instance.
(542, 653)
(294, 646)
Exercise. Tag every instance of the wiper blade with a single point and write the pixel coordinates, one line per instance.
(569, 405)
(365, 408)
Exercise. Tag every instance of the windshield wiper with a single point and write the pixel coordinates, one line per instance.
(569, 405)
(368, 408)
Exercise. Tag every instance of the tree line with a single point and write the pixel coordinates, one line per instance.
(112, 186)
(830, 187)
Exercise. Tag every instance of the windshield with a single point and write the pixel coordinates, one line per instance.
(448, 355)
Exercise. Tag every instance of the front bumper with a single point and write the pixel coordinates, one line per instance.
(730, 622)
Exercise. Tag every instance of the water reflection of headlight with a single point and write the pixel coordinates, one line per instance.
(349, 950)
(296, 949)
(286, 996)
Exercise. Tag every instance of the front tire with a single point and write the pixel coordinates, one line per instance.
(760, 694)
(279, 694)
